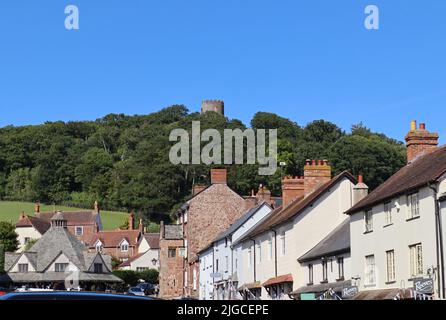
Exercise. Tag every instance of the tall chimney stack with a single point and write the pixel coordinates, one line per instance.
(218, 176)
(131, 221)
(420, 141)
(360, 190)
(292, 188)
(316, 173)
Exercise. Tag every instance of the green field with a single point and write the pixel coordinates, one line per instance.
(10, 211)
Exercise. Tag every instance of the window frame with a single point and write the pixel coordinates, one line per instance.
(58, 265)
(368, 221)
(388, 213)
(413, 207)
(22, 266)
(341, 269)
(390, 266)
(98, 268)
(310, 274)
(170, 251)
(80, 228)
(370, 276)
(416, 260)
(324, 271)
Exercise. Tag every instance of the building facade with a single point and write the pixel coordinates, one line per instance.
(397, 238)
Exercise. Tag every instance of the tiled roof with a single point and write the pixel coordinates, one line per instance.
(276, 280)
(41, 225)
(113, 238)
(153, 239)
(74, 218)
(281, 215)
(419, 173)
(336, 242)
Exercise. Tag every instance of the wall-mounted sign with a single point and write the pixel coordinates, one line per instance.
(425, 286)
(349, 292)
(307, 296)
(215, 275)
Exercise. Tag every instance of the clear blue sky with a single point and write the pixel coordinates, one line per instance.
(302, 59)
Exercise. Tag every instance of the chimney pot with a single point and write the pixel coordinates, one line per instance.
(313, 162)
(360, 179)
(422, 126)
(420, 142)
(413, 125)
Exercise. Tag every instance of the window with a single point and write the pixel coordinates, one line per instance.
(249, 257)
(324, 271)
(259, 251)
(141, 269)
(282, 236)
(370, 278)
(79, 231)
(27, 240)
(341, 267)
(226, 263)
(413, 209)
(61, 267)
(368, 219)
(124, 246)
(416, 260)
(390, 261)
(171, 253)
(217, 267)
(270, 249)
(388, 212)
(98, 268)
(310, 274)
(23, 267)
(194, 279)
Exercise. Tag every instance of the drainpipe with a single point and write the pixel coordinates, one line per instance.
(275, 252)
(213, 271)
(439, 243)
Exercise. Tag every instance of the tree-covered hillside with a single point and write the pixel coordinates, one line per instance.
(123, 161)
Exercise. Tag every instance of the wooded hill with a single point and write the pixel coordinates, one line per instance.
(123, 161)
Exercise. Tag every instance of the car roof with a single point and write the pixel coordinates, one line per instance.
(66, 295)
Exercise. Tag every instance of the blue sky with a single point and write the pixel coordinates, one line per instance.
(302, 59)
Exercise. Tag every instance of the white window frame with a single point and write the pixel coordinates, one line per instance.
(24, 267)
(80, 228)
(368, 220)
(283, 243)
(416, 260)
(390, 265)
(370, 270)
(388, 213)
(270, 249)
(124, 246)
(65, 267)
(413, 206)
(310, 274)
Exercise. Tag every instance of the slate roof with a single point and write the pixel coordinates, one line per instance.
(173, 231)
(113, 238)
(417, 174)
(281, 215)
(55, 242)
(153, 239)
(41, 225)
(338, 241)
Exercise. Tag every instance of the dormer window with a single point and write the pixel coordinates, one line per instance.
(23, 267)
(99, 246)
(124, 246)
(98, 268)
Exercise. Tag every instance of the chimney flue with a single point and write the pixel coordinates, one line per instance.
(218, 176)
(316, 174)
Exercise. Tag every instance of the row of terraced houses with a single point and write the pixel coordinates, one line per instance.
(327, 237)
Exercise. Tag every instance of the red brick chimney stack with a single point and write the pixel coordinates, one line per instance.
(218, 176)
(420, 141)
(292, 188)
(37, 207)
(131, 221)
(141, 225)
(316, 173)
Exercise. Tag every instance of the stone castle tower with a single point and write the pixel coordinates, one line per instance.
(213, 105)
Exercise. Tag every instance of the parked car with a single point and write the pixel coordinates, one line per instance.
(148, 288)
(135, 291)
(67, 295)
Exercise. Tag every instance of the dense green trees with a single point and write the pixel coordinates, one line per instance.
(8, 241)
(122, 161)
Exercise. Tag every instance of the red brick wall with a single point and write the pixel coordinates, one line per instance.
(89, 230)
(420, 142)
(292, 188)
